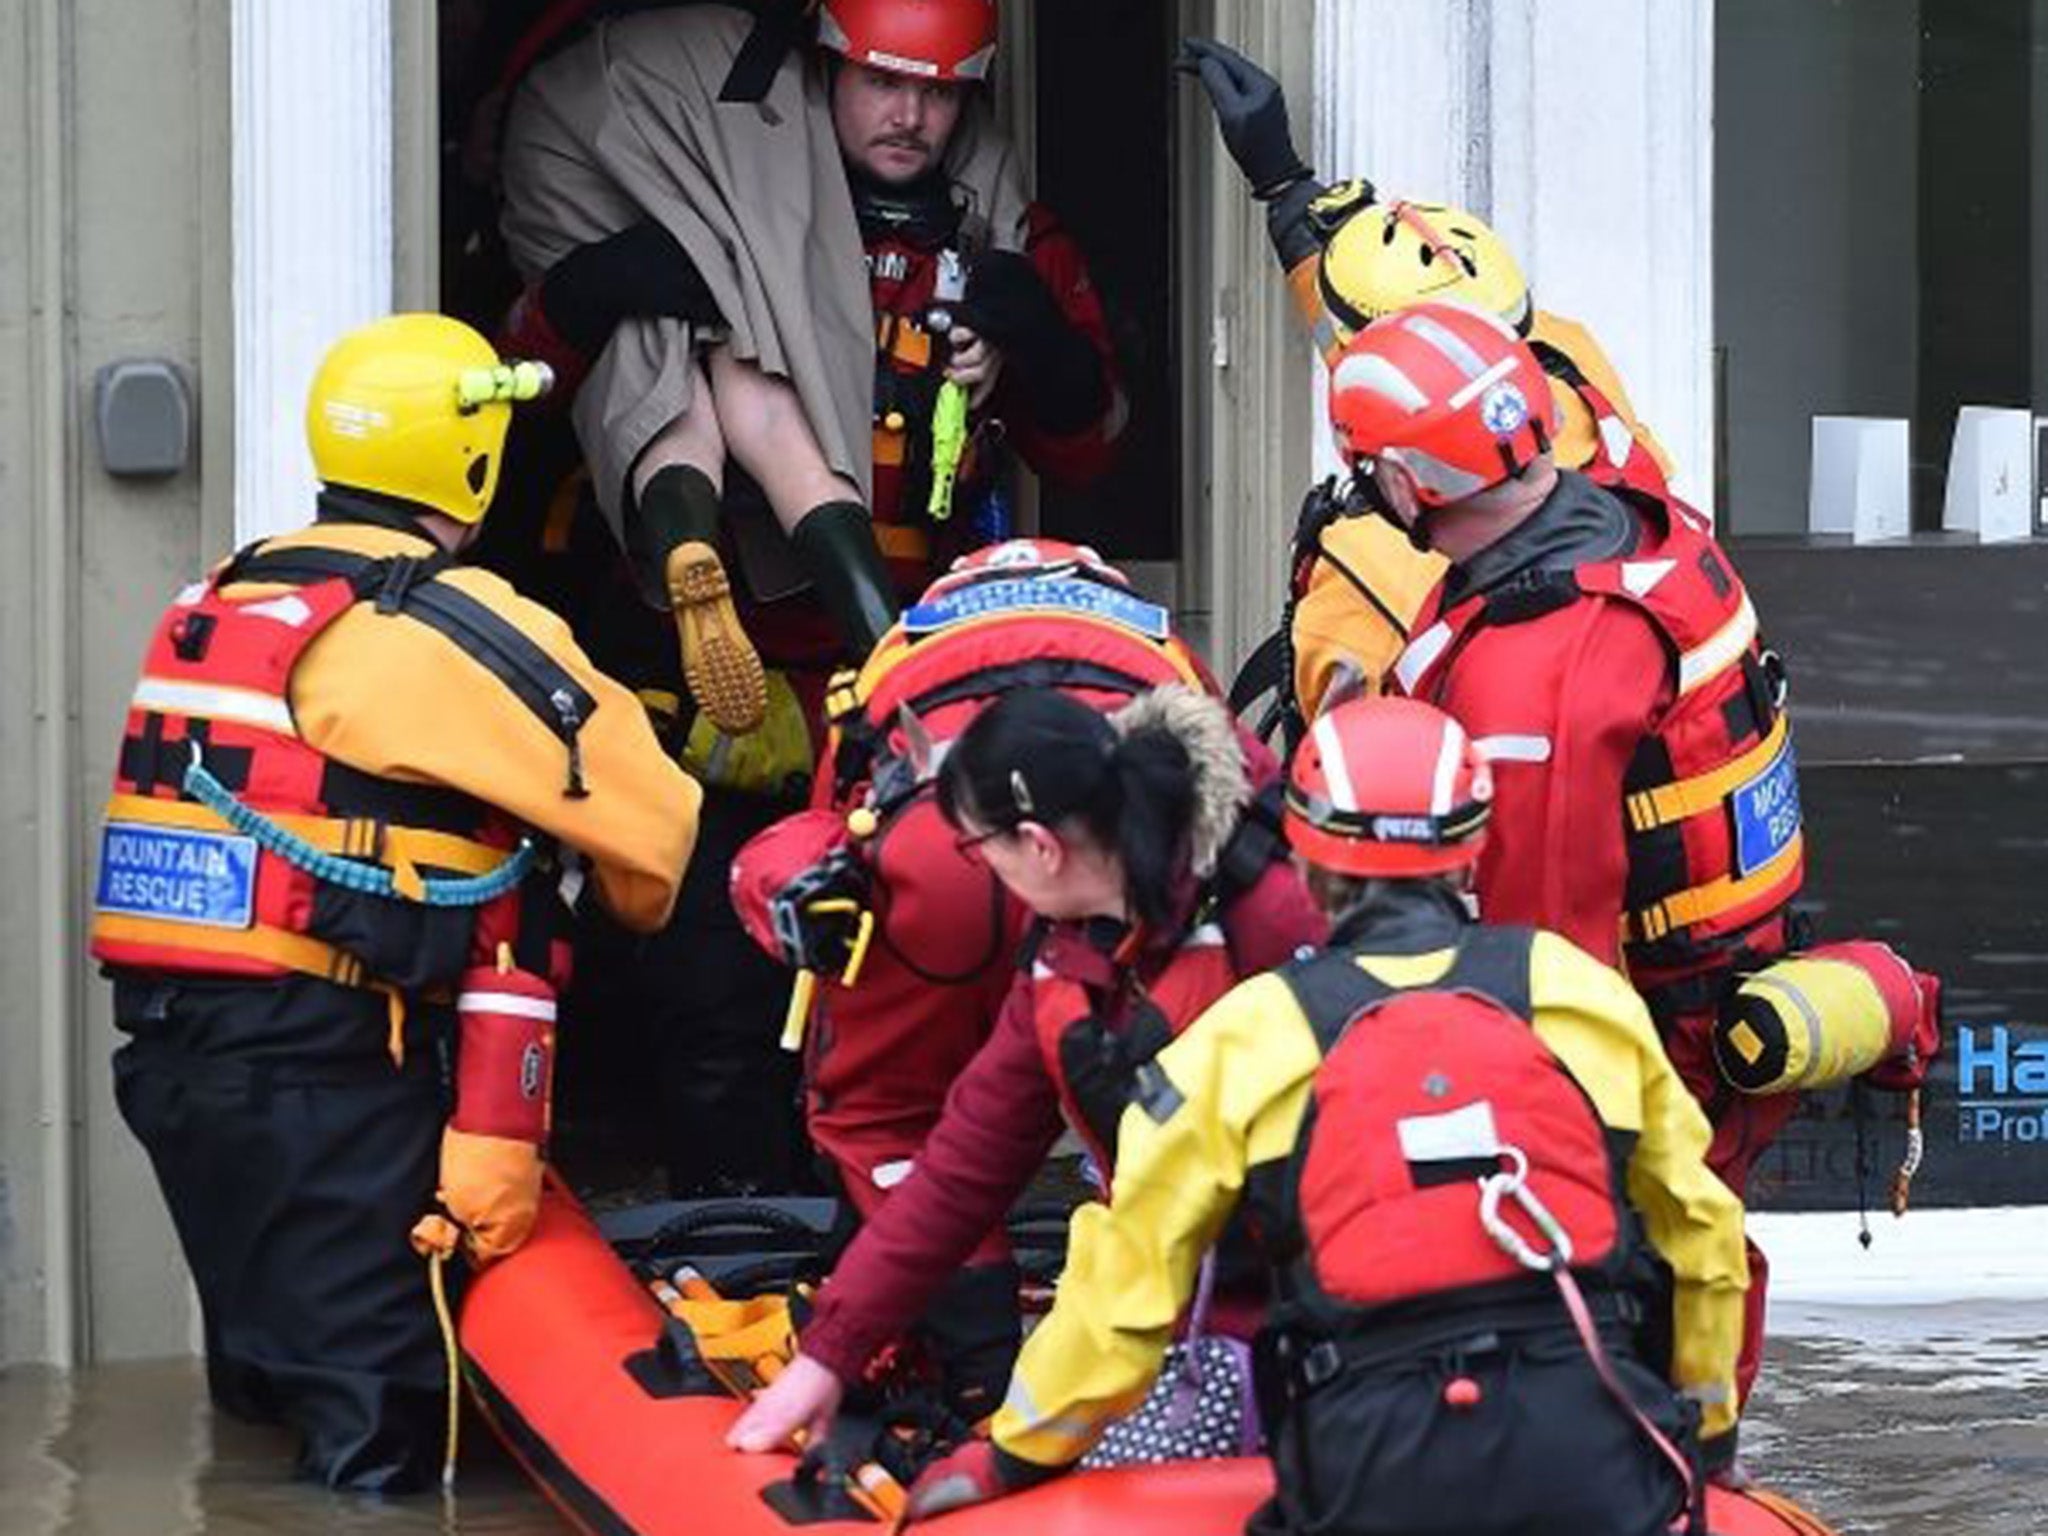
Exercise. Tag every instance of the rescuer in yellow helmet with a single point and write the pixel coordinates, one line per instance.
(326, 899)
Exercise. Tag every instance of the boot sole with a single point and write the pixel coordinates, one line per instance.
(720, 666)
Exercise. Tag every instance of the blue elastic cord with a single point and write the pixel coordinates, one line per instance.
(351, 874)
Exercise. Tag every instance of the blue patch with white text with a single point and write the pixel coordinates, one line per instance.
(1767, 813)
(1087, 599)
(176, 876)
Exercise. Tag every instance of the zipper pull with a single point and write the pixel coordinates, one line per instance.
(572, 723)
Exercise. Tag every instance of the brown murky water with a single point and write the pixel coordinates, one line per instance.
(1892, 1422)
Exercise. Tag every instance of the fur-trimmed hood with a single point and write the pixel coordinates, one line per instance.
(1203, 725)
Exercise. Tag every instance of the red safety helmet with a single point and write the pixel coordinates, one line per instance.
(1038, 559)
(932, 39)
(1388, 788)
(1449, 393)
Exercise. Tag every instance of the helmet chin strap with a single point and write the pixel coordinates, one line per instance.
(1368, 497)
(1418, 531)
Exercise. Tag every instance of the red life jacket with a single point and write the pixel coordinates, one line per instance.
(1711, 801)
(191, 877)
(949, 657)
(1420, 1093)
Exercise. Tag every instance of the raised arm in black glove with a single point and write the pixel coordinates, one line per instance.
(1009, 305)
(1251, 112)
(641, 270)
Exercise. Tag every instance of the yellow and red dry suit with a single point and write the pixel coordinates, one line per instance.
(315, 883)
(1354, 1155)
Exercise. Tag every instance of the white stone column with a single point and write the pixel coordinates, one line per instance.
(1583, 131)
(312, 217)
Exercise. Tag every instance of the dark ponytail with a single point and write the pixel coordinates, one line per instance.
(1038, 755)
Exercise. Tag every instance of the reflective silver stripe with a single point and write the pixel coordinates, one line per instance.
(1616, 439)
(1373, 373)
(1801, 1004)
(1421, 655)
(246, 706)
(1335, 769)
(1705, 662)
(1639, 578)
(1072, 1426)
(1470, 392)
(1514, 749)
(1447, 754)
(515, 1005)
(289, 609)
(1452, 345)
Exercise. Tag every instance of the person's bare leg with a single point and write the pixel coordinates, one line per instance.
(769, 435)
(672, 539)
(766, 430)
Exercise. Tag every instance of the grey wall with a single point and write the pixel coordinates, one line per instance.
(114, 225)
(1815, 221)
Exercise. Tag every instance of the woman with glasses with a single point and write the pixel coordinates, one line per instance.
(1159, 879)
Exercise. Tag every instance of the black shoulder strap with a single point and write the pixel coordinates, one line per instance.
(1494, 962)
(1258, 842)
(1558, 363)
(1333, 989)
(779, 27)
(1529, 595)
(409, 585)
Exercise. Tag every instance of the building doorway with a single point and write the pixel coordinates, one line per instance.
(1086, 94)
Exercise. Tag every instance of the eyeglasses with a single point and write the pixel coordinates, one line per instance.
(969, 843)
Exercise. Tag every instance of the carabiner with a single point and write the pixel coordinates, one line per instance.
(1514, 1181)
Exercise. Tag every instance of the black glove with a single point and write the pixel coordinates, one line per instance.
(817, 915)
(1251, 112)
(1009, 306)
(641, 270)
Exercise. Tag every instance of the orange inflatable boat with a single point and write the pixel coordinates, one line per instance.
(562, 1346)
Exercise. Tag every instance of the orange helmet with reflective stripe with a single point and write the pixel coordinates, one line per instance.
(1388, 788)
(1449, 393)
(931, 39)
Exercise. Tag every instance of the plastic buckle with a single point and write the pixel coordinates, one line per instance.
(1321, 1364)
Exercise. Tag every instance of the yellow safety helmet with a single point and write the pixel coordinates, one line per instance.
(1382, 257)
(416, 407)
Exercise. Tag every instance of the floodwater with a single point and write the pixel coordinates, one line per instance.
(1929, 1421)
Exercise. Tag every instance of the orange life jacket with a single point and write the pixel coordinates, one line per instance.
(230, 844)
